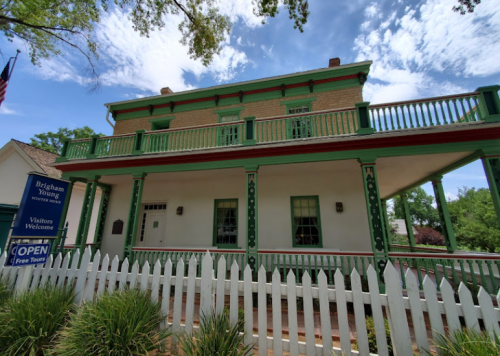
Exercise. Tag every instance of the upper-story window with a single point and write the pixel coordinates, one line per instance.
(229, 118)
(298, 109)
(299, 126)
(229, 135)
(161, 123)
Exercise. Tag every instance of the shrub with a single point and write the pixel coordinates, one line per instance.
(467, 343)
(372, 338)
(5, 291)
(428, 236)
(126, 322)
(216, 336)
(29, 322)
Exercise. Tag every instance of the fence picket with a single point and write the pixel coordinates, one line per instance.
(307, 302)
(3, 258)
(81, 276)
(123, 274)
(433, 307)
(417, 314)
(324, 308)
(60, 271)
(113, 275)
(144, 276)
(23, 279)
(292, 314)
(190, 295)
(378, 316)
(359, 313)
(74, 265)
(468, 307)
(45, 272)
(90, 288)
(12, 276)
(176, 320)
(488, 313)
(221, 276)
(167, 281)
(134, 275)
(36, 276)
(207, 269)
(400, 334)
(248, 304)
(277, 330)
(262, 311)
(103, 276)
(155, 285)
(233, 294)
(343, 322)
(450, 306)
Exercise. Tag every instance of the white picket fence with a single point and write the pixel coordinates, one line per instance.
(92, 279)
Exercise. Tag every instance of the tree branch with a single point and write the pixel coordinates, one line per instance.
(6, 20)
(187, 13)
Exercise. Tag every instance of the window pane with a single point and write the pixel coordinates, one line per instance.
(306, 229)
(229, 118)
(226, 229)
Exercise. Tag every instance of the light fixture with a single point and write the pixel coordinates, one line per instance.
(179, 210)
(339, 206)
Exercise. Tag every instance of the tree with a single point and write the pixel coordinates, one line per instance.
(466, 6)
(53, 141)
(422, 211)
(45, 25)
(474, 220)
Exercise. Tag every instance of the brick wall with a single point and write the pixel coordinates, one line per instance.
(326, 100)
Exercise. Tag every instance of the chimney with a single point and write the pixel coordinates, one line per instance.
(334, 62)
(166, 91)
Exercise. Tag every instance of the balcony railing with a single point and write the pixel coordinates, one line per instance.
(362, 119)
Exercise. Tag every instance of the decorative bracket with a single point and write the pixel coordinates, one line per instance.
(363, 77)
(150, 108)
(240, 94)
(311, 84)
(172, 104)
(282, 89)
(216, 98)
(113, 114)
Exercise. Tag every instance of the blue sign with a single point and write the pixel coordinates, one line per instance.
(12, 253)
(41, 207)
(30, 254)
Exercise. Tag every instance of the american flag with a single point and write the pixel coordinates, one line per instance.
(4, 79)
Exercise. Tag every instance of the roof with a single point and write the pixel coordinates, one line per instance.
(41, 157)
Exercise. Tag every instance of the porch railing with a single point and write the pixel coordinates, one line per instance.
(406, 248)
(437, 111)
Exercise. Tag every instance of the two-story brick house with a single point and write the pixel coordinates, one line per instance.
(288, 170)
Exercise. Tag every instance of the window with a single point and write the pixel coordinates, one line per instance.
(301, 127)
(306, 222)
(298, 109)
(229, 135)
(226, 223)
(161, 123)
(229, 118)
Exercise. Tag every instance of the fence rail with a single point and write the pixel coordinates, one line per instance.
(92, 279)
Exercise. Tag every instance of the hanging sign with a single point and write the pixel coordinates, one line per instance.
(41, 207)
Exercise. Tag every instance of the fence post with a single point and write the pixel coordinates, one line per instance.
(93, 146)
(138, 149)
(489, 103)
(363, 116)
(64, 150)
(249, 131)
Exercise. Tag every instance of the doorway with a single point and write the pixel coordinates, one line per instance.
(152, 223)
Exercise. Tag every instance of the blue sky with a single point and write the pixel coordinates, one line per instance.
(419, 49)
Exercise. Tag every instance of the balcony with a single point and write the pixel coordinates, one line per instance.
(362, 119)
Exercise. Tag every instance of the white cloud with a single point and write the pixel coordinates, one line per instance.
(6, 110)
(268, 51)
(373, 10)
(426, 40)
(450, 196)
(466, 176)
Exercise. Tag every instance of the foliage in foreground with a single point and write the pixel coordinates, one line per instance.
(29, 322)
(467, 343)
(53, 141)
(216, 336)
(372, 338)
(429, 236)
(126, 322)
(5, 291)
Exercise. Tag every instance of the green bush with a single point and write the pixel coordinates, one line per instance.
(5, 291)
(372, 338)
(216, 336)
(29, 322)
(126, 322)
(467, 342)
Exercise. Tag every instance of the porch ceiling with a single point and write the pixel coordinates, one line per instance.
(396, 173)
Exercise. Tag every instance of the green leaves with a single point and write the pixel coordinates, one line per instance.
(422, 211)
(53, 141)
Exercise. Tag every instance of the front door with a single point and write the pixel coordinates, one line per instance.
(152, 226)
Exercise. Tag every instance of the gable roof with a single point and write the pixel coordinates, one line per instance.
(40, 157)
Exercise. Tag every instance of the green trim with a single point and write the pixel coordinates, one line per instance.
(86, 214)
(460, 163)
(492, 170)
(230, 111)
(320, 233)
(252, 230)
(408, 222)
(489, 103)
(386, 220)
(214, 240)
(245, 87)
(300, 158)
(64, 214)
(249, 130)
(298, 102)
(444, 214)
(101, 219)
(160, 123)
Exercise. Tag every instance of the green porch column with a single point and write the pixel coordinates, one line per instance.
(444, 214)
(86, 214)
(491, 164)
(252, 226)
(386, 223)
(101, 218)
(133, 215)
(408, 222)
(375, 217)
(64, 214)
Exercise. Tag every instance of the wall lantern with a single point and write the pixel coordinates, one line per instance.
(179, 210)
(339, 206)
(117, 227)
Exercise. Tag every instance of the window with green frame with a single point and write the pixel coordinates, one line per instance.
(229, 135)
(226, 223)
(306, 222)
(302, 126)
